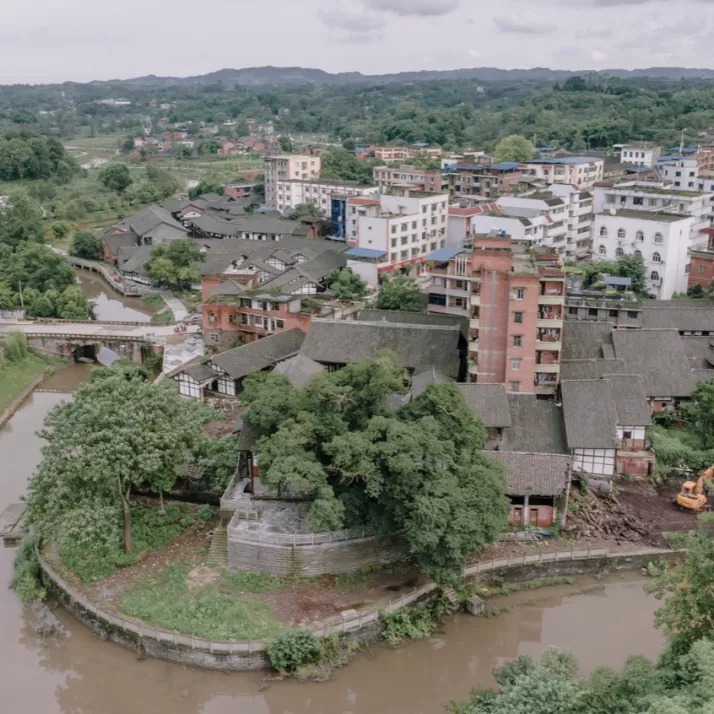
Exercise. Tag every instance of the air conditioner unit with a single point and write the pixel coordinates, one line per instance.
(512, 296)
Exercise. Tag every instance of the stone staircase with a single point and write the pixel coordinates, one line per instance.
(218, 552)
(453, 597)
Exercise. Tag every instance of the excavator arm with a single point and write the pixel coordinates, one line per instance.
(703, 476)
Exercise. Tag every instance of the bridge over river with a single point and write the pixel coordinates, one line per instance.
(73, 339)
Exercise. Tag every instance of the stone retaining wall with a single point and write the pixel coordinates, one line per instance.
(308, 560)
(16, 403)
(350, 626)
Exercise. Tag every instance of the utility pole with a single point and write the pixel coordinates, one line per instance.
(22, 301)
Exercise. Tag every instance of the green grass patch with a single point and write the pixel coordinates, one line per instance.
(15, 377)
(250, 581)
(165, 600)
(360, 579)
(154, 299)
(688, 438)
(163, 317)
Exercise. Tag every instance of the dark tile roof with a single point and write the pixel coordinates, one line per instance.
(584, 340)
(589, 413)
(534, 474)
(418, 347)
(423, 379)
(299, 369)
(631, 404)
(490, 403)
(590, 368)
(659, 357)
(150, 218)
(414, 318)
(227, 287)
(700, 351)
(682, 315)
(536, 426)
(120, 240)
(200, 372)
(134, 259)
(259, 355)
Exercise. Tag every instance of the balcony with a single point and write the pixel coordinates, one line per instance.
(473, 368)
(475, 300)
(473, 346)
(555, 322)
(549, 346)
(545, 389)
(474, 323)
(547, 368)
(551, 299)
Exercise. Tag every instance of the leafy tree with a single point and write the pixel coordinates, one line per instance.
(175, 262)
(514, 148)
(60, 230)
(340, 164)
(304, 209)
(71, 304)
(700, 412)
(85, 244)
(633, 266)
(206, 187)
(8, 297)
(119, 431)
(400, 293)
(336, 441)
(116, 177)
(286, 144)
(346, 285)
(20, 220)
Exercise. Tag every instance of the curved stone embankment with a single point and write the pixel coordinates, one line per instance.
(150, 641)
(16, 403)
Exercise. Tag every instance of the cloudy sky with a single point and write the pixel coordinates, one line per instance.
(86, 39)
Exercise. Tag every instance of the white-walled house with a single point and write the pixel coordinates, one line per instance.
(661, 238)
(639, 154)
(579, 171)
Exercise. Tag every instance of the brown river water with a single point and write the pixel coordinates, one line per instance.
(110, 305)
(79, 674)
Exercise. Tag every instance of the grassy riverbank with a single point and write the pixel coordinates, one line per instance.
(16, 376)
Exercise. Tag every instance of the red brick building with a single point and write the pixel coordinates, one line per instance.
(701, 263)
(514, 299)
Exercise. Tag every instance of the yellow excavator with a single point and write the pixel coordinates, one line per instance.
(693, 496)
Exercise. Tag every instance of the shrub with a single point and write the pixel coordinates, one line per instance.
(26, 578)
(293, 649)
(415, 623)
(15, 346)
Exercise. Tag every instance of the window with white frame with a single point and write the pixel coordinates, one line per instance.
(658, 238)
(656, 258)
(602, 250)
(603, 231)
(638, 253)
(654, 276)
(639, 236)
(621, 233)
(619, 253)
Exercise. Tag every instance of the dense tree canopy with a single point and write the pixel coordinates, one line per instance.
(346, 285)
(175, 263)
(85, 244)
(116, 177)
(25, 156)
(400, 293)
(420, 471)
(514, 148)
(120, 432)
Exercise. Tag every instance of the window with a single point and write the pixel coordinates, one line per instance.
(638, 253)
(602, 250)
(639, 236)
(638, 201)
(659, 238)
(603, 231)
(702, 269)
(656, 258)
(214, 337)
(520, 293)
(626, 434)
(652, 201)
(621, 233)
(515, 387)
(632, 314)
(613, 313)
(394, 228)
(654, 276)
(516, 363)
(619, 253)
(518, 318)
(517, 340)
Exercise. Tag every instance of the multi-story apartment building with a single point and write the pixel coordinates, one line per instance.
(514, 298)
(467, 179)
(579, 171)
(692, 173)
(553, 231)
(639, 154)
(291, 193)
(579, 221)
(402, 229)
(407, 177)
(658, 197)
(461, 229)
(284, 167)
(662, 239)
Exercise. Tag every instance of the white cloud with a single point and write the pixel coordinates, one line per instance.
(598, 55)
(474, 54)
(349, 18)
(415, 8)
(522, 24)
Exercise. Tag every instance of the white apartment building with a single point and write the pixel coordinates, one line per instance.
(291, 193)
(580, 216)
(284, 167)
(580, 171)
(553, 231)
(402, 229)
(662, 239)
(685, 174)
(656, 196)
(639, 154)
